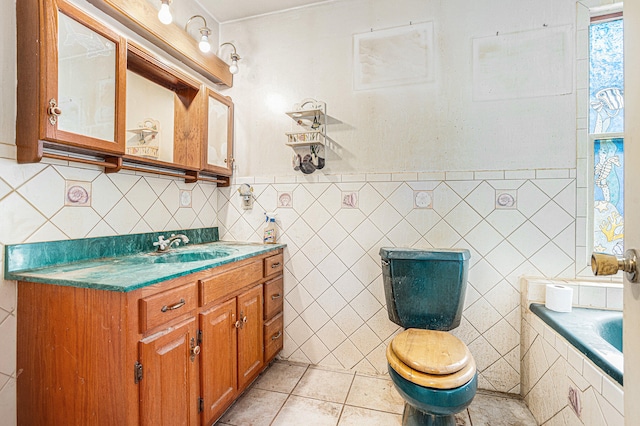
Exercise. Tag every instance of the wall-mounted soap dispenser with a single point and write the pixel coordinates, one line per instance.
(246, 195)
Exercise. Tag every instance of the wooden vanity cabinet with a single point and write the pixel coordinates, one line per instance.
(167, 370)
(220, 378)
(169, 379)
(173, 353)
(232, 349)
(71, 90)
(273, 307)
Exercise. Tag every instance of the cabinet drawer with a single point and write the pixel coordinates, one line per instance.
(273, 265)
(162, 307)
(273, 295)
(273, 337)
(229, 282)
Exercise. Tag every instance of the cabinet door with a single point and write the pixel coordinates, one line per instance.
(168, 389)
(218, 368)
(218, 146)
(250, 343)
(83, 81)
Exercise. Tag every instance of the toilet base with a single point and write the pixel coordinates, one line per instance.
(414, 417)
(429, 406)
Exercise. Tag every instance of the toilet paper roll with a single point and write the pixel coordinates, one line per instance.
(559, 298)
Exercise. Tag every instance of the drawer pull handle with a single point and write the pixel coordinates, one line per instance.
(277, 335)
(178, 305)
(276, 296)
(275, 265)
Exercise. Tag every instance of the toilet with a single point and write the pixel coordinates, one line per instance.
(432, 369)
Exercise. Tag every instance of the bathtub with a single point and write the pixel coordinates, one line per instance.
(594, 332)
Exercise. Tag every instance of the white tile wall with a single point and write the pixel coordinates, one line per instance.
(334, 303)
(588, 294)
(32, 209)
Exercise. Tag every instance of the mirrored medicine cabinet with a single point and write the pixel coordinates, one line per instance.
(98, 98)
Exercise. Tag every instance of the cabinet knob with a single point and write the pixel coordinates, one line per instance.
(195, 349)
(238, 324)
(53, 111)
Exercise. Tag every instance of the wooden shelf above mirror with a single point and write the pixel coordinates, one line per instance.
(141, 17)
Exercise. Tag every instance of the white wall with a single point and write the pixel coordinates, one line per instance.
(8, 83)
(422, 127)
(392, 141)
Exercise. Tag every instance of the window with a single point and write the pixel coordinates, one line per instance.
(606, 125)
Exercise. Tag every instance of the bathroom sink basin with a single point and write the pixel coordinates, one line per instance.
(180, 256)
(188, 256)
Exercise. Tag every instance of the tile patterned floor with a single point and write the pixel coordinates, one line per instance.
(292, 394)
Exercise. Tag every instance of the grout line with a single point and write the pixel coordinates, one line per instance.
(290, 393)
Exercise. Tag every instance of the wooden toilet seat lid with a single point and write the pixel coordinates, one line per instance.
(436, 381)
(431, 351)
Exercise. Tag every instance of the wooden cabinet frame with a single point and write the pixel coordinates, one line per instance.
(187, 105)
(37, 61)
(225, 100)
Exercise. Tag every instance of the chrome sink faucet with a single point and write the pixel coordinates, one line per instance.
(165, 245)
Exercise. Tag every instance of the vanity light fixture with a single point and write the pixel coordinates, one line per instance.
(233, 68)
(205, 32)
(164, 14)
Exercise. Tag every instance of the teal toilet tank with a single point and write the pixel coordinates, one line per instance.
(425, 288)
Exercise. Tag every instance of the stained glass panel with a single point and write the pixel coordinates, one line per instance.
(606, 77)
(606, 123)
(608, 180)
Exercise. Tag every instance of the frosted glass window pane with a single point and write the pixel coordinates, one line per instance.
(86, 81)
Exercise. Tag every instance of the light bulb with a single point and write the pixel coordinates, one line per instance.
(164, 15)
(233, 68)
(204, 44)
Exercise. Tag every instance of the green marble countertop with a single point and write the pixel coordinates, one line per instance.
(121, 270)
